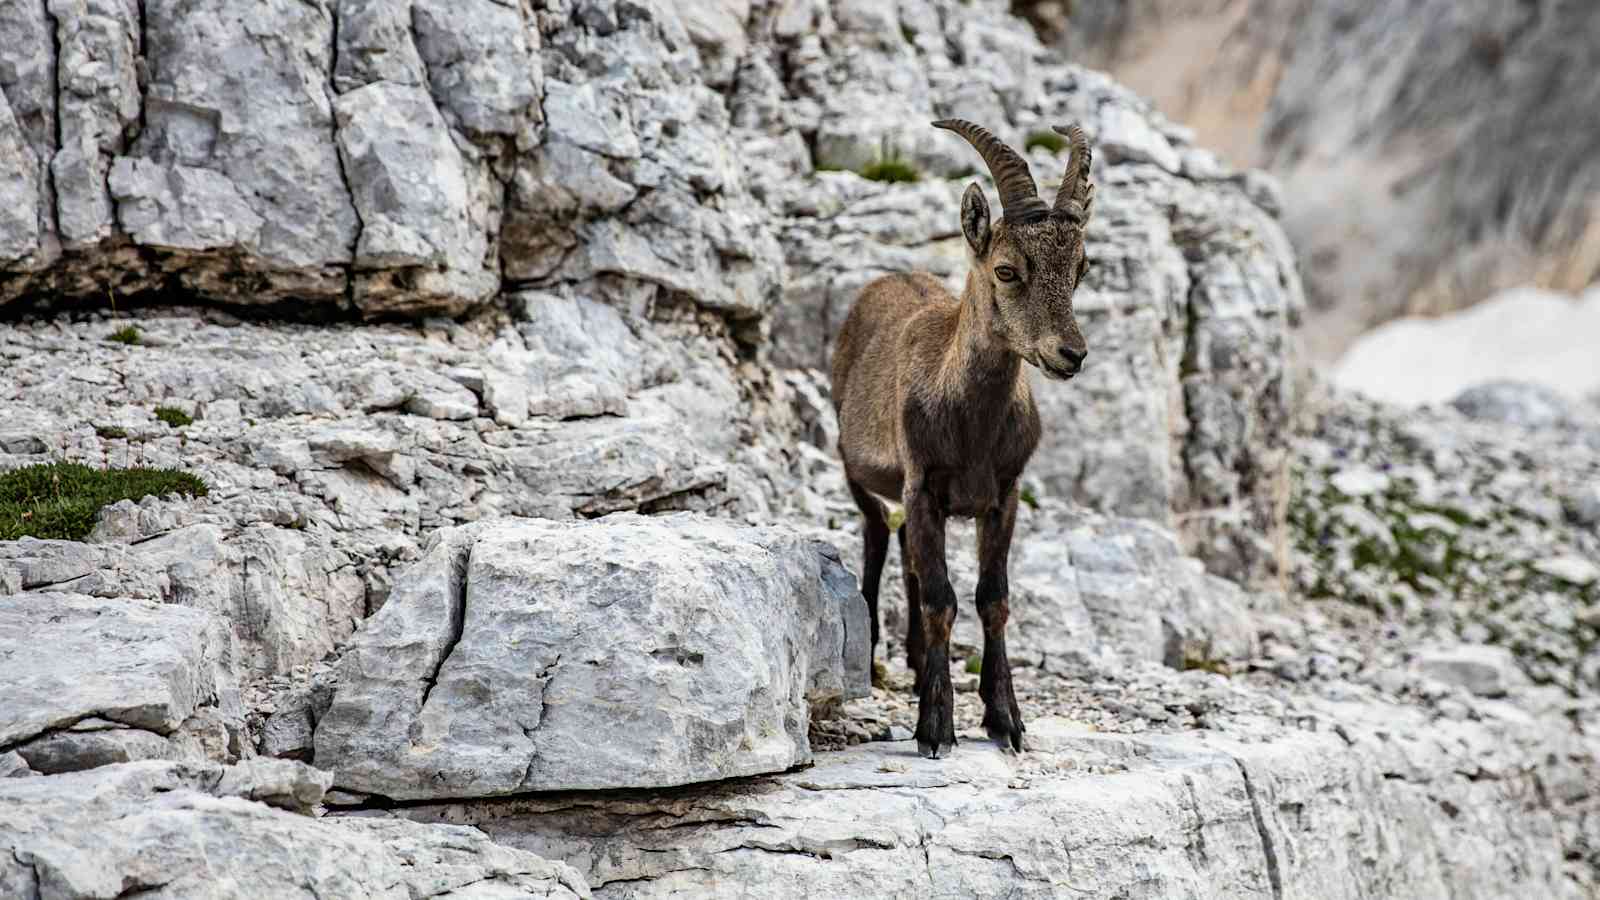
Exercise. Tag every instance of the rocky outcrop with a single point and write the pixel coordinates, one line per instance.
(697, 648)
(1085, 813)
(598, 171)
(1426, 149)
(185, 830)
(92, 682)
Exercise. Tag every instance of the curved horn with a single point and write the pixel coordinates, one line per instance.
(1019, 198)
(1075, 184)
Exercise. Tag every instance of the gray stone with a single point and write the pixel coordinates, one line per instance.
(697, 647)
(1514, 403)
(880, 821)
(410, 187)
(186, 830)
(1573, 570)
(74, 750)
(182, 207)
(289, 731)
(170, 664)
(1584, 503)
(227, 89)
(98, 43)
(12, 765)
(375, 44)
(19, 190)
(483, 66)
(1486, 671)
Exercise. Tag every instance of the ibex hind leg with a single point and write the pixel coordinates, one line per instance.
(915, 651)
(875, 548)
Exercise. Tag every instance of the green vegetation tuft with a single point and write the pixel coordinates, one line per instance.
(111, 432)
(60, 500)
(890, 166)
(173, 416)
(1028, 498)
(127, 334)
(1204, 663)
(1049, 140)
(894, 169)
(975, 664)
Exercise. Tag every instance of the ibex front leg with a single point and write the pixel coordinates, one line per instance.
(1001, 717)
(936, 728)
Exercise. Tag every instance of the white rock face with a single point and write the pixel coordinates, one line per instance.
(694, 647)
(289, 598)
(207, 831)
(1080, 814)
(91, 681)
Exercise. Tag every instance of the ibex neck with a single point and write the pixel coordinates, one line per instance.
(977, 361)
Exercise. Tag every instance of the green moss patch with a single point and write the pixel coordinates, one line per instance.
(1049, 140)
(894, 169)
(127, 334)
(61, 500)
(174, 416)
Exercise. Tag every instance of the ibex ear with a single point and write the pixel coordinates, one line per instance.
(975, 219)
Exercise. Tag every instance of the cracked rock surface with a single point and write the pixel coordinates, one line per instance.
(90, 682)
(694, 646)
(184, 830)
(1101, 815)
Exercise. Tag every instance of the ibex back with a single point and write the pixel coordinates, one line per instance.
(935, 411)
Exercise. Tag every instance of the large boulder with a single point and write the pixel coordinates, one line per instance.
(623, 652)
(208, 831)
(92, 681)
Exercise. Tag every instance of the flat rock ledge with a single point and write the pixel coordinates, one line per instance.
(89, 681)
(622, 652)
(1083, 814)
(200, 831)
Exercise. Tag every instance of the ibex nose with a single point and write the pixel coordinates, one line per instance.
(1074, 355)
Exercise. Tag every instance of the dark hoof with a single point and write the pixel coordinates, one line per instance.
(1002, 719)
(1005, 727)
(936, 714)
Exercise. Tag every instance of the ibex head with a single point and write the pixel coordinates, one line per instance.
(1027, 265)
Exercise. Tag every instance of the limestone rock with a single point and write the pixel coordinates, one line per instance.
(71, 703)
(410, 187)
(1514, 403)
(1485, 671)
(696, 647)
(1289, 815)
(177, 829)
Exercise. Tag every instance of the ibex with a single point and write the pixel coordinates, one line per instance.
(934, 409)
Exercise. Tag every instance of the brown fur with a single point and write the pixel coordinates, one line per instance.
(935, 411)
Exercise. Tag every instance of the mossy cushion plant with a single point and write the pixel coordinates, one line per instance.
(173, 416)
(62, 499)
(1049, 140)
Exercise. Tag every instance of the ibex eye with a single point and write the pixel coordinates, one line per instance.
(1005, 273)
